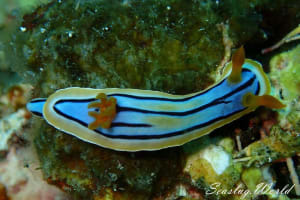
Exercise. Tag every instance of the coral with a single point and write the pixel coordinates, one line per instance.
(13, 115)
(19, 177)
(251, 165)
(279, 144)
(211, 165)
(23, 182)
(8, 127)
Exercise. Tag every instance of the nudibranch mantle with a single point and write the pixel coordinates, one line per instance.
(152, 120)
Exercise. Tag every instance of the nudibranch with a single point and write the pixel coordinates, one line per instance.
(134, 120)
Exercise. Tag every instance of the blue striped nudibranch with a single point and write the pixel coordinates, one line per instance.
(134, 120)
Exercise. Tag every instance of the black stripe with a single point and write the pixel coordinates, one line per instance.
(37, 113)
(76, 100)
(164, 98)
(249, 82)
(143, 137)
(144, 98)
(172, 134)
(258, 88)
(69, 117)
(172, 100)
(136, 97)
(120, 124)
(117, 124)
(38, 100)
(214, 102)
(171, 113)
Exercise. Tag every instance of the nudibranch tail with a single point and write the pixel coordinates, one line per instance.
(106, 114)
(238, 60)
(266, 100)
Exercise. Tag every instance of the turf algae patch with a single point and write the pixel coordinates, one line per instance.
(149, 44)
(88, 171)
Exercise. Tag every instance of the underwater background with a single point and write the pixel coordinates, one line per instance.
(171, 46)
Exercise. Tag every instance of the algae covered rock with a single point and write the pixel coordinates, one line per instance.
(285, 73)
(212, 167)
(151, 44)
(280, 144)
(88, 171)
(139, 44)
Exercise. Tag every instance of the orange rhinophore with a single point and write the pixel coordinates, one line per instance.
(266, 100)
(107, 112)
(238, 60)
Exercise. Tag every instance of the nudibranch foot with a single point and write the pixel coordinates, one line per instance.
(106, 114)
(238, 59)
(251, 100)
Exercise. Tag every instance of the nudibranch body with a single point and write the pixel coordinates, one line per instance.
(134, 120)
